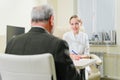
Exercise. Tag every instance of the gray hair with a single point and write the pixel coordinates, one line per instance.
(41, 13)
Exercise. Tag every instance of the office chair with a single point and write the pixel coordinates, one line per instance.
(27, 67)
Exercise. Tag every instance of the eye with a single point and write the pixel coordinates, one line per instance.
(72, 23)
(76, 23)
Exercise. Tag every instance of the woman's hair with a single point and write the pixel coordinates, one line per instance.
(75, 16)
(41, 13)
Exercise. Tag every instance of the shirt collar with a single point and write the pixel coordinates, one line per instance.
(40, 27)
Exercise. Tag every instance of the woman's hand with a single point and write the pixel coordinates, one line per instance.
(75, 57)
(84, 56)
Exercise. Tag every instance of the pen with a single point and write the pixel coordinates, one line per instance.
(74, 52)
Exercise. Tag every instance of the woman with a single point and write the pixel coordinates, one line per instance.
(77, 40)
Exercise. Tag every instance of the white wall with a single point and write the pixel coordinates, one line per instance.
(17, 13)
(14, 12)
(65, 10)
(117, 18)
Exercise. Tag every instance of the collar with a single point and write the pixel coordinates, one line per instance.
(38, 29)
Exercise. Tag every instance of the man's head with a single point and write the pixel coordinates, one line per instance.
(43, 16)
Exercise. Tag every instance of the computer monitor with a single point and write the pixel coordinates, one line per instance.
(13, 31)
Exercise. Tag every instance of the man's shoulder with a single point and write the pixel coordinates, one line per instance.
(56, 40)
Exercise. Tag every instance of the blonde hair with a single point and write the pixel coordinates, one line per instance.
(75, 16)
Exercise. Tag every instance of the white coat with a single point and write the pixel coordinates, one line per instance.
(79, 43)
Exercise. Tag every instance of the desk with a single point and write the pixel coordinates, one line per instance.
(81, 64)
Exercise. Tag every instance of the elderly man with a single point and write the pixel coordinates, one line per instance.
(39, 40)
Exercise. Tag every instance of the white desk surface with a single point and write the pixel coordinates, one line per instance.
(82, 63)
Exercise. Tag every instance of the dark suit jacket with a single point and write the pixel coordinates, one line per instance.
(38, 41)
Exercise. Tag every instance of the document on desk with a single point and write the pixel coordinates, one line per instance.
(82, 63)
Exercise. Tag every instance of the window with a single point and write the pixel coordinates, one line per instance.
(98, 18)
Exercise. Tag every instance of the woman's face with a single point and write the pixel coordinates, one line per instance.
(75, 25)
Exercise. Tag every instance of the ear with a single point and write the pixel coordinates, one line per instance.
(52, 20)
(51, 24)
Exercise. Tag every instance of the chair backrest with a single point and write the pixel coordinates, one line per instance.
(27, 67)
